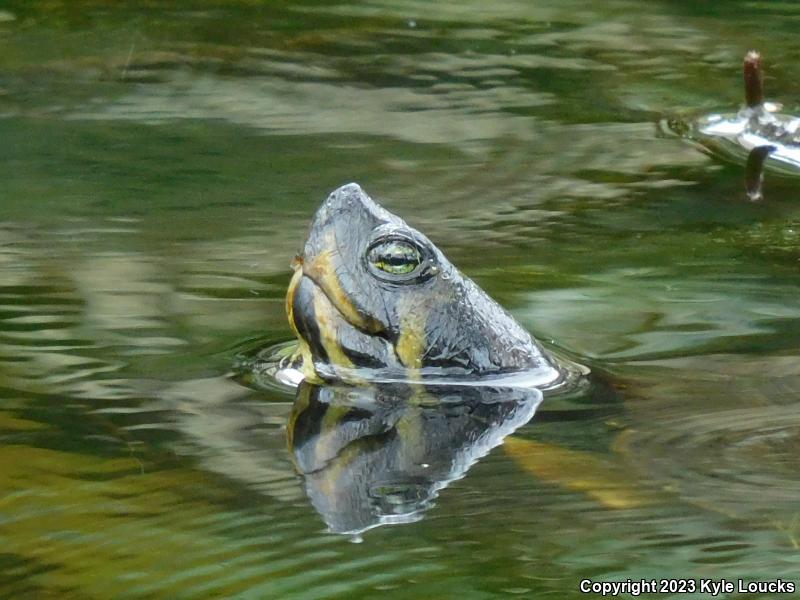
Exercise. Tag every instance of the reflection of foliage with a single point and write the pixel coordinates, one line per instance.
(604, 480)
(78, 518)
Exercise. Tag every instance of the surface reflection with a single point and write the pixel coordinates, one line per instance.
(379, 455)
(159, 169)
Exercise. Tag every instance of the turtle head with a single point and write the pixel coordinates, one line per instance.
(371, 291)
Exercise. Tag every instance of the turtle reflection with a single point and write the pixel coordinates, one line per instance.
(379, 455)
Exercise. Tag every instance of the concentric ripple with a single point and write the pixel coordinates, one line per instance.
(271, 367)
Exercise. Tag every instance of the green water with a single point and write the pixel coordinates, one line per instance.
(160, 163)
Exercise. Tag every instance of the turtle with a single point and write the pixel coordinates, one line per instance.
(382, 422)
(369, 292)
(407, 373)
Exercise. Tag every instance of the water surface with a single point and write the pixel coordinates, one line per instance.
(160, 164)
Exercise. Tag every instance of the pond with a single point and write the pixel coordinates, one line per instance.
(161, 162)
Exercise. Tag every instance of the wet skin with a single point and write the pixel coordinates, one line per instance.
(369, 291)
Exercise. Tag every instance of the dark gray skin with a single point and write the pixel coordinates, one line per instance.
(349, 313)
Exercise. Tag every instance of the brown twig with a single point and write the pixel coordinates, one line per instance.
(753, 79)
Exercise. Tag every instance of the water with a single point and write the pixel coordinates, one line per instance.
(160, 164)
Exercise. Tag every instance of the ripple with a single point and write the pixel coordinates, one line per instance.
(122, 526)
(271, 367)
(132, 258)
(743, 462)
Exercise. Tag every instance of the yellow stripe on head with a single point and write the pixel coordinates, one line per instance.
(303, 350)
(328, 332)
(412, 339)
(322, 269)
(290, 294)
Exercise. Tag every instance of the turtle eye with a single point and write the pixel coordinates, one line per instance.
(399, 259)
